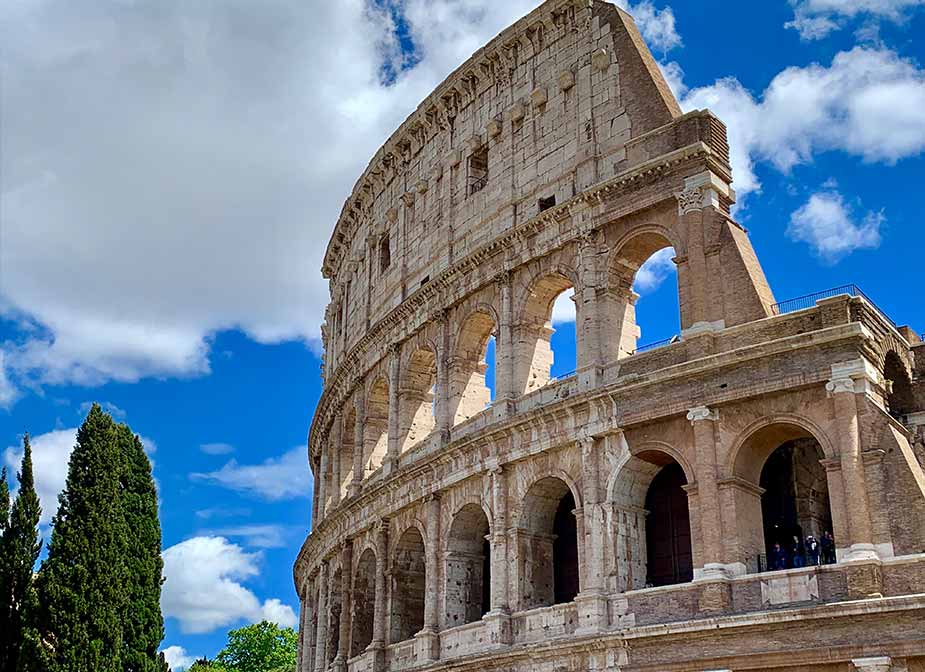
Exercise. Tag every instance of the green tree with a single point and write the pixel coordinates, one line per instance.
(81, 586)
(19, 551)
(4, 502)
(262, 647)
(206, 665)
(142, 622)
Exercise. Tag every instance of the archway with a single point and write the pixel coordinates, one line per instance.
(641, 266)
(364, 603)
(376, 428)
(900, 398)
(547, 542)
(468, 567)
(534, 356)
(784, 493)
(669, 559)
(416, 418)
(408, 587)
(470, 390)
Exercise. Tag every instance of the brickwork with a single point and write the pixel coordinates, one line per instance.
(537, 530)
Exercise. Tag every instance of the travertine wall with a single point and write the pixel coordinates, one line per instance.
(417, 467)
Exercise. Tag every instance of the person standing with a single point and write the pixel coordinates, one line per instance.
(828, 549)
(812, 550)
(796, 553)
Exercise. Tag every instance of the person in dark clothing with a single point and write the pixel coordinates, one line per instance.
(828, 549)
(813, 550)
(797, 558)
(778, 559)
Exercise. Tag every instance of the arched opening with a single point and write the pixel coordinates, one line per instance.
(334, 615)
(364, 603)
(669, 559)
(900, 398)
(534, 356)
(471, 390)
(795, 506)
(642, 269)
(548, 545)
(416, 419)
(468, 567)
(783, 513)
(408, 587)
(376, 428)
(346, 452)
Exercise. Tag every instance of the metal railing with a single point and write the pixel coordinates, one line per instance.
(658, 344)
(809, 301)
(476, 184)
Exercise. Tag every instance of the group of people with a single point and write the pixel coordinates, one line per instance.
(803, 552)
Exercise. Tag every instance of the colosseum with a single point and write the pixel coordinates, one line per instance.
(749, 495)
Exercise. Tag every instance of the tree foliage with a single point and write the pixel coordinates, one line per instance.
(262, 647)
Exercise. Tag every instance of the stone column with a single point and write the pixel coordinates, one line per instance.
(848, 380)
(359, 425)
(394, 449)
(379, 609)
(504, 350)
(311, 626)
(324, 476)
(428, 639)
(704, 421)
(346, 609)
(592, 605)
(588, 331)
(322, 637)
(335, 446)
(315, 497)
(498, 618)
(443, 420)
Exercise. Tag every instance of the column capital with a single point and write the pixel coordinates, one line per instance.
(701, 413)
(701, 191)
(854, 376)
(874, 664)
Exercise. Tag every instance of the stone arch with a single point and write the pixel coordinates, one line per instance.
(468, 566)
(416, 405)
(533, 356)
(628, 255)
(376, 425)
(650, 521)
(900, 398)
(408, 585)
(547, 544)
(469, 391)
(779, 489)
(364, 602)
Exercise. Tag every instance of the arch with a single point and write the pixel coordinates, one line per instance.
(547, 544)
(629, 255)
(533, 357)
(900, 398)
(779, 492)
(468, 566)
(416, 408)
(376, 425)
(408, 586)
(652, 530)
(469, 391)
(364, 603)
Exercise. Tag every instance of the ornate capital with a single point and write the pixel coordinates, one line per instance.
(690, 200)
(700, 413)
(839, 385)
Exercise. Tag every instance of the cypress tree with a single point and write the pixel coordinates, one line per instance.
(19, 550)
(81, 588)
(142, 622)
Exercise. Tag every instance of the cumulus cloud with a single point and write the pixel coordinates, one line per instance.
(826, 223)
(108, 406)
(815, 19)
(51, 453)
(186, 158)
(657, 268)
(256, 536)
(178, 659)
(656, 25)
(203, 587)
(866, 103)
(275, 479)
(216, 448)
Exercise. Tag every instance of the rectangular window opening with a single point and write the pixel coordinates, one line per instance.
(385, 254)
(548, 202)
(478, 170)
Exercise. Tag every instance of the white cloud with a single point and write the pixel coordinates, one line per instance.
(51, 453)
(656, 25)
(657, 268)
(8, 391)
(563, 310)
(203, 587)
(826, 223)
(107, 406)
(216, 448)
(867, 103)
(274, 479)
(257, 536)
(178, 659)
(815, 19)
(169, 167)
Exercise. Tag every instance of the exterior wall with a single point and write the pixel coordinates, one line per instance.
(416, 466)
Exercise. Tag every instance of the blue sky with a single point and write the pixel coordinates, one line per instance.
(171, 173)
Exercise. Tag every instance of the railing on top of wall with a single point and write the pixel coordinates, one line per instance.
(809, 300)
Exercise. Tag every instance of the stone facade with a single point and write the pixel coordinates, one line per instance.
(623, 517)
